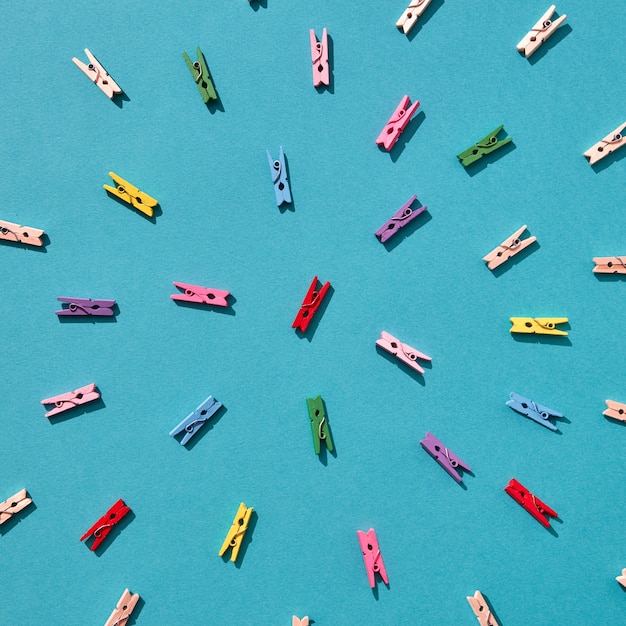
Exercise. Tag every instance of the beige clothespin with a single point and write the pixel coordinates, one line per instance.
(540, 32)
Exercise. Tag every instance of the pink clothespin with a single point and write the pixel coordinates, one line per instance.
(296, 621)
(622, 579)
(402, 351)
(605, 146)
(397, 123)
(122, 612)
(13, 505)
(481, 610)
(508, 248)
(97, 74)
(201, 295)
(615, 410)
(71, 399)
(319, 59)
(371, 556)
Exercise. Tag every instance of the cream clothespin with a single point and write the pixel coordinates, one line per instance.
(615, 410)
(97, 74)
(605, 146)
(296, 621)
(622, 579)
(409, 18)
(540, 32)
(13, 505)
(508, 248)
(481, 610)
(235, 535)
(123, 610)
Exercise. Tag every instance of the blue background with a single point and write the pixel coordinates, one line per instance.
(220, 227)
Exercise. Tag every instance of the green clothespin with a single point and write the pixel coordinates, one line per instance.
(484, 146)
(319, 424)
(200, 72)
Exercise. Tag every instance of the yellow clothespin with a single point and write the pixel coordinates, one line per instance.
(125, 606)
(235, 535)
(13, 505)
(538, 325)
(131, 195)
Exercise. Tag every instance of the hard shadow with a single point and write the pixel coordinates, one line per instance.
(258, 4)
(398, 148)
(514, 260)
(615, 420)
(215, 105)
(609, 277)
(156, 211)
(203, 430)
(119, 99)
(478, 166)
(378, 580)
(114, 532)
(414, 374)
(135, 614)
(554, 340)
(15, 519)
(200, 306)
(488, 601)
(45, 240)
(330, 88)
(559, 34)
(91, 319)
(424, 19)
(309, 333)
(402, 233)
(81, 409)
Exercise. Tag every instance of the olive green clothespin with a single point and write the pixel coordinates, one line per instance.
(200, 72)
(319, 424)
(484, 146)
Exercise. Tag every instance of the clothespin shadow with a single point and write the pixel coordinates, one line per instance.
(559, 34)
(563, 419)
(223, 310)
(398, 148)
(424, 19)
(14, 520)
(491, 609)
(135, 614)
(609, 277)
(463, 472)
(323, 455)
(288, 206)
(91, 319)
(613, 157)
(215, 105)
(45, 240)
(379, 581)
(245, 542)
(157, 211)
(554, 340)
(414, 374)
(514, 260)
(119, 98)
(315, 322)
(113, 534)
(258, 4)
(550, 529)
(331, 86)
(478, 166)
(80, 409)
(612, 420)
(202, 432)
(405, 231)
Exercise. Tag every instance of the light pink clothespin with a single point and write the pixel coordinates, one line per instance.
(71, 399)
(540, 32)
(296, 621)
(402, 351)
(508, 248)
(615, 410)
(371, 556)
(319, 59)
(97, 74)
(123, 610)
(13, 505)
(622, 579)
(481, 610)
(609, 265)
(605, 146)
(397, 123)
(201, 295)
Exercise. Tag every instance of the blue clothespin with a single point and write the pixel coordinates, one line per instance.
(279, 178)
(537, 412)
(194, 421)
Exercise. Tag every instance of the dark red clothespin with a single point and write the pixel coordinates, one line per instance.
(104, 525)
(310, 304)
(540, 511)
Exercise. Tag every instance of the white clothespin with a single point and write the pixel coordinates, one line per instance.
(98, 75)
(409, 17)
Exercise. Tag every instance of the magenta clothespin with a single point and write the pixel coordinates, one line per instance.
(71, 399)
(319, 59)
(371, 556)
(446, 458)
(201, 295)
(399, 220)
(397, 123)
(86, 306)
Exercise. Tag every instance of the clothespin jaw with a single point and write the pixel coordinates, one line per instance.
(196, 419)
(622, 579)
(71, 399)
(319, 59)
(446, 458)
(279, 178)
(235, 535)
(615, 410)
(481, 610)
(103, 526)
(535, 411)
(310, 305)
(409, 18)
(540, 511)
(97, 74)
(296, 621)
(13, 505)
(201, 295)
(130, 194)
(319, 424)
(86, 306)
(541, 31)
(200, 72)
(123, 610)
(371, 556)
(538, 325)
(606, 146)
(488, 144)
(610, 265)
(402, 351)
(403, 216)
(21, 234)
(508, 248)
(397, 123)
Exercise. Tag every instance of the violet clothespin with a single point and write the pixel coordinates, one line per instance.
(446, 458)
(86, 306)
(201, 295)
(403, 216)
(319, 59)
(371, 556)
(71, 399)
(397, 123)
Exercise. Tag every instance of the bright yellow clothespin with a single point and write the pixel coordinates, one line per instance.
(235, 535)
(538, 325)
(131, 195)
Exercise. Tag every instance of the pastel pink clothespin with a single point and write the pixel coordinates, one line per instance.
(481, 610)
(201, 295)
(13, 505)
(540, 32)
(296, 621)
(605, 146)
(397, 123)
(508, 248)
(622, 579)
(371, 556)
(71, 399)
(122, 612)
(21, 234)
(403, 216)
(609, 265)
(97, 74)
(615, 410)
(402, 351)
(319, 59)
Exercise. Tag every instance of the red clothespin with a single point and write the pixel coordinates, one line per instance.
(540, 511)
(397, 123)
(310, 304)
(104, 525)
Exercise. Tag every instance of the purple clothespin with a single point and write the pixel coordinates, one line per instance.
(87, 306)
(399, 220)
(446, 458)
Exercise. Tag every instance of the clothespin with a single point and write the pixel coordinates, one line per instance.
(446, 458)
(508, 248)
(97, 74)
(605, 146)
(13, 505)
(200, 72)
(610, 265)
(235, 535)
(488, 144)
(622, 579)
(103, 526)
(402, 351)
(21, 234)
(481, 610)
(540, 511)
(538, 325)
(319, 424)
(201, 295)
(403, 216)
(615, 410)
(537, 412)
(86, 306)
(196, 419)
(123, 610)
(371, 556)
(541, 31)
(397, 123)
(296, 621)
(279, 178)
(319, 59)
(409, 18)
(71, 399)
(310, 304)
(131, 195)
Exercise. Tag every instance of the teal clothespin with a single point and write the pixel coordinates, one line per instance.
(200, 72)
(319, 424)
(484, 146)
